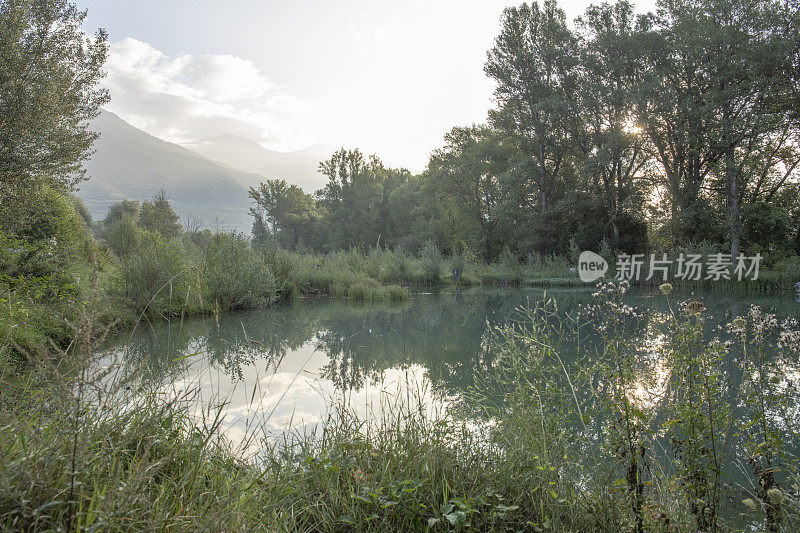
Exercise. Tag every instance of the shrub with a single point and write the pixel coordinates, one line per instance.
(766, 228)
(123, 236)
(234, 276)
(432, 262)
(152, 279)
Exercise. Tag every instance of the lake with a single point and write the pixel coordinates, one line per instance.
(281, 368)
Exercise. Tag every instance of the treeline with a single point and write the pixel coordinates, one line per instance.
(623, 131)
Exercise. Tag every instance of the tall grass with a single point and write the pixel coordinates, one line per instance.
(83, 448)
(597, 443)
(659, 434)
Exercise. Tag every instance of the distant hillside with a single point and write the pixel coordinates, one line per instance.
(130, 163)
(299, 168)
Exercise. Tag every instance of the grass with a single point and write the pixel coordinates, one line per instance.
(538, 445)
(335, 273)
(141, 463)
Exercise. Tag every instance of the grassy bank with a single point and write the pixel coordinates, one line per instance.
(155, 278)
(601, 443)
(314, 273)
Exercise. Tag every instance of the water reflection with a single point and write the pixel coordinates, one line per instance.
(282, 367)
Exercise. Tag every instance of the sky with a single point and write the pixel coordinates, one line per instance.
(387, 77)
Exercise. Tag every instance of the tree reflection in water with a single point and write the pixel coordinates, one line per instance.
(446, 334)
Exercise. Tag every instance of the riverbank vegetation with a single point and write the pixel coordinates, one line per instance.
(623, 437)
(621, 132)
(610, 174)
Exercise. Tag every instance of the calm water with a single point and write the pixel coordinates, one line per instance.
(282, 368)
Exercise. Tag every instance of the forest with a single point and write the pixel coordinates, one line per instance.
(627, 132)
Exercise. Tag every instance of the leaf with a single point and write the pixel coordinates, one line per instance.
(504, 508)
(186, 356)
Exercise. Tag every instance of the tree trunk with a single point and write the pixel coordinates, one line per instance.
(734, 217)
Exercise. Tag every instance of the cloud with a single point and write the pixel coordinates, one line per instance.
(187, 97)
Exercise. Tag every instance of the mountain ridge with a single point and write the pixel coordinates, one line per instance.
(131, 163)
(299, 167)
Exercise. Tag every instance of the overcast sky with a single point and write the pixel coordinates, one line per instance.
(388, 77)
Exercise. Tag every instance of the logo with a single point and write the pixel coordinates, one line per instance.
(591, 266)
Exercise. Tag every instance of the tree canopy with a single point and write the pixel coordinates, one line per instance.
(49, 74)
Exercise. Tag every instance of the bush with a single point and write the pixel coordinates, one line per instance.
(153, 279)
(766, 228)
(123, 236)
(48, 221)
(234, 276)
(432, 262)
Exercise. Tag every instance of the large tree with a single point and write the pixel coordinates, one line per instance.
(49, 74)
(614, 152)
(474, 168)
(535, 64)
(353, 199)
(283, 211)
(157, 215)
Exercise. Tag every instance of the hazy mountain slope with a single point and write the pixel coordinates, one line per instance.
(130, 163)
(299, 168)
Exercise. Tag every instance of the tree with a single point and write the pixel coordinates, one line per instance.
(157, 215)
(474, 168)
(674, 108)
(767, 227)
(706, 101)
(122, 209)
(353, 199)
(283, 210)
(49, 74)
(615, 155)
(535, 64)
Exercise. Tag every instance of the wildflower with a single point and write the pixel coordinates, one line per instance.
(665, 288)
(739, 323)
(775, 495)
(694, 308)
(749, 503)
(789, 337)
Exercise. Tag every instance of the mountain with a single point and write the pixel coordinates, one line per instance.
(129, 163)
(298, 168)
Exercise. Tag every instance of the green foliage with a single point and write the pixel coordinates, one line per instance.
(123, 236)
(154, 278)
(41, 214)
(82, 210)
(48, 93)
(233, 274)
(158, 216)
(283, 211)
(626, 129)
(766, 228)
(122, 209)
(473, 169)
(432, 262)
